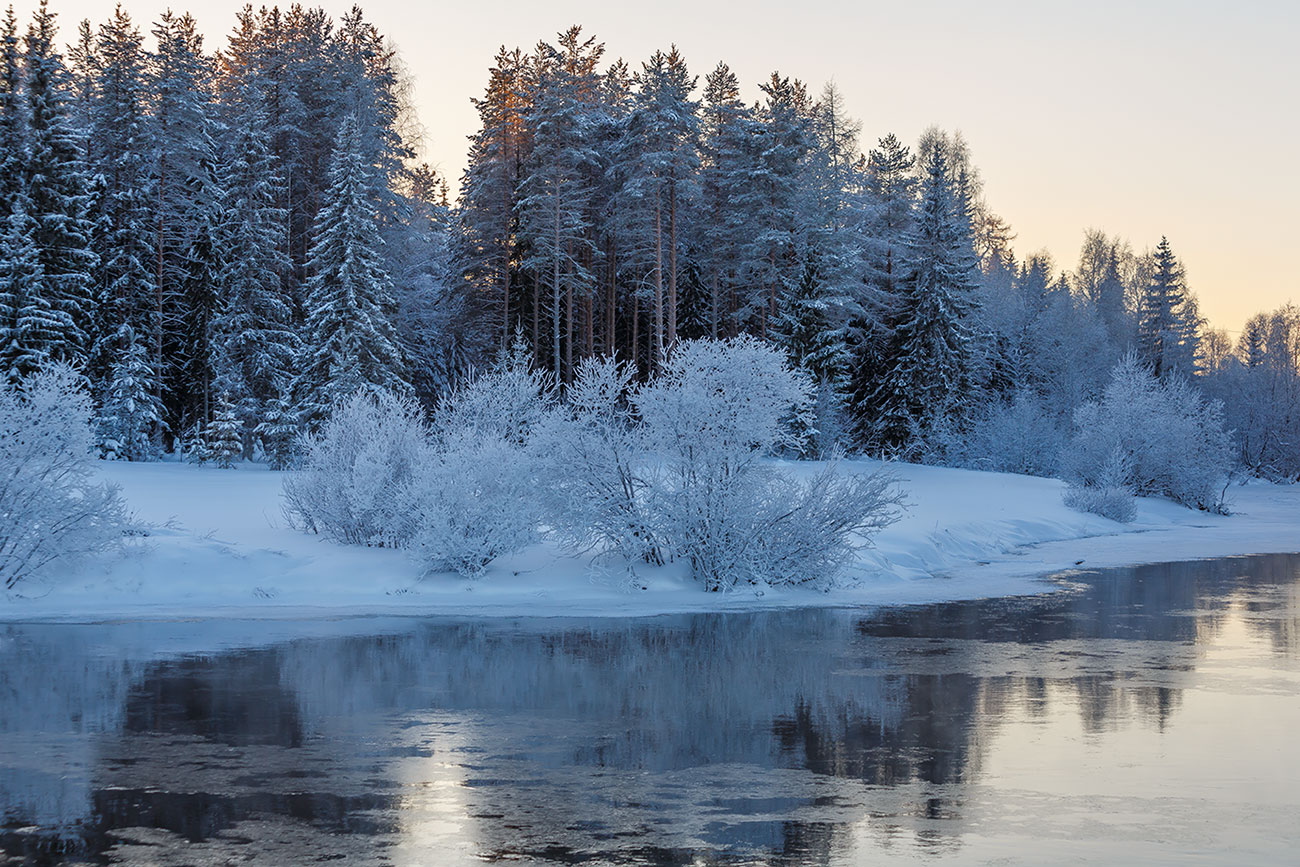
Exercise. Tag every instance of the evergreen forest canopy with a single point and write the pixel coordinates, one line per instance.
(229, 241)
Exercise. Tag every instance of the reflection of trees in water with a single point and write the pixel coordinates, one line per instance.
(594, 729)
(658, 698)
(58, 691)
(1269, 593)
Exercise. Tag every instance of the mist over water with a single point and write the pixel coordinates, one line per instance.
(1142, 715)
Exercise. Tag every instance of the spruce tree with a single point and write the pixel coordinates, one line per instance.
(890, 185)
(1168, 322)
(132, 414)
(125, 278)
(183, 151)
(352, 341)
(256, 343)
(56, 192)
(278, 433)
(224, 435)
(34, 328)
(928, 358)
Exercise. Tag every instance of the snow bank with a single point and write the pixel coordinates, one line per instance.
(223, 548)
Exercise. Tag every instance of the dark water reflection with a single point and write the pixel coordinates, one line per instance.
(1145, 715)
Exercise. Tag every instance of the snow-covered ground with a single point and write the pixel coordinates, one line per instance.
(223, 548)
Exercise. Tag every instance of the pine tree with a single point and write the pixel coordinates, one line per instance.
(929, 355)
(224, 435)
(727, 126)
(1168, 322)
(183, 152)
(56, 192)
(772, 198)
(488, 188)
(123, 235)
(352, 341)
(662, 148)
(255, 342)
(556, 192)
(131, 414)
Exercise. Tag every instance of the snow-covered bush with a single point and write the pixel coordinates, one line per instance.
(715, 410)
(51, 509)
(1168, 439)
(712, 415)
(595, 466)
(476, 502)
(1109, 493)
(357, 471)
(808, 531)
(477, 496)
(1019, 435)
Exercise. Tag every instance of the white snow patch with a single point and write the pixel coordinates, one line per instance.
(223, 548)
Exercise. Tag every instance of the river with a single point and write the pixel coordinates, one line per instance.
(1145, 715)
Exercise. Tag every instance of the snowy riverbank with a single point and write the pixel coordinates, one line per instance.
(222, 548)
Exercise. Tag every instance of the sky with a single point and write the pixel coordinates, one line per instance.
(1141, 118)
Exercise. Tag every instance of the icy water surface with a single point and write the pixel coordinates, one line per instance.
(1140, 716)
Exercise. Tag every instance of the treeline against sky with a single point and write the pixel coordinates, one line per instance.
(240, 236)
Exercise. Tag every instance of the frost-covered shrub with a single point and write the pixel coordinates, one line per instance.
(1110, 492)
(592, 453)
(710, 417)
(51, 509)
(807, 531)
(478, 496)
(474, 503)
(1170, 440)
(357, 470)
(1019, 435)
(716, 409)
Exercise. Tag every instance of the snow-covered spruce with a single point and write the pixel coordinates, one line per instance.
(224, 435)
(51, 509)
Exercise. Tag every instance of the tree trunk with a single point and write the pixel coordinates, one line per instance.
(636, 331)
(713, 304)
(672, 265)
(659, 289)
(555, 292)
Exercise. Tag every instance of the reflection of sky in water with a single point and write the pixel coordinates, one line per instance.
(1144, 714)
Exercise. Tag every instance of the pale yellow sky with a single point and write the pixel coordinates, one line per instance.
(1141, 118)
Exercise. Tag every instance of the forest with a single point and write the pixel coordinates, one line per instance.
(228, 241)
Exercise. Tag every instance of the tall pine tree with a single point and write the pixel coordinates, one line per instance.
(928, 359)
(56, 193)
(352, 340)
